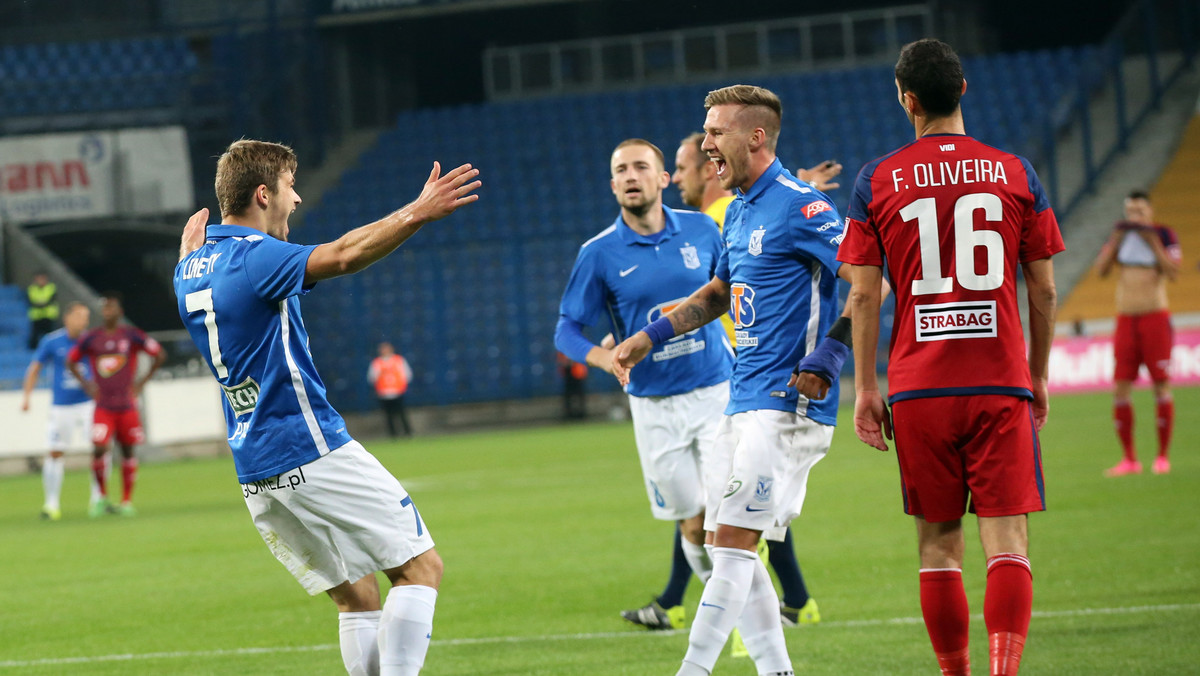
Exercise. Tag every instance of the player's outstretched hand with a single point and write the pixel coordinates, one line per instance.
(821, 176)
(193, 233)
(627, 354)
(871, 420)
(442, 195)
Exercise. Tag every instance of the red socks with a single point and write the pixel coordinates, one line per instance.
(947, 618)
(1165, 419)
(1123, 421)
(129, 469)
(98, 469)
(1007, 605)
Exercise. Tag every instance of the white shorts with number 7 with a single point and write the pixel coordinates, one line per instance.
(339, 518)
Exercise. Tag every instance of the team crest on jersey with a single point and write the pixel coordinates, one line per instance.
(756, 239)
(691, 258)
(108, 364)
(813, 208)
(762, 490)
(243, 397)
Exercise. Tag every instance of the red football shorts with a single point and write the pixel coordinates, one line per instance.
(126, 425)
(1143, 339)
(979, 451)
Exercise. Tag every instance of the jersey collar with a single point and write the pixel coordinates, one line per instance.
(768, 177)
(226, 230)
(629, 237)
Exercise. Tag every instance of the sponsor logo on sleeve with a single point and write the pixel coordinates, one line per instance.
(813, 208)
(955, 321)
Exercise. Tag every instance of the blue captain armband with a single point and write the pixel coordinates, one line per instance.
(826, 361)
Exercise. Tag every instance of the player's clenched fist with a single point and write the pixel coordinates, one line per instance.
(630, 352)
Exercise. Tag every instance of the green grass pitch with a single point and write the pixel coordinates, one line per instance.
(546, 535)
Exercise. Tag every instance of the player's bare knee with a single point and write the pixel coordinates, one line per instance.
(737, 538)
(356, 597)
(423, 569)
(692, 529)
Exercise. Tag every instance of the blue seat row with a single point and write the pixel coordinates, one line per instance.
(473, 300)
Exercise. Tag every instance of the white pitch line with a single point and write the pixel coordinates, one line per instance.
(130, 657)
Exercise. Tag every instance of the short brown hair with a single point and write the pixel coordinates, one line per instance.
(662, 162)
(696, 140)
(763, 104)
(244, 166)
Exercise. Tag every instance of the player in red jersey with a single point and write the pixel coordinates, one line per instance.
(113, 350)
(1147, 256)
(952, 218)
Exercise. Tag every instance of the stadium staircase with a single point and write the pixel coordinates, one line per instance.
(472, 301)
(1176, 203)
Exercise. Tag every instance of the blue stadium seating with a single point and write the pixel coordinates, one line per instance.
(472, 301)
(84, 77)
(14, 337)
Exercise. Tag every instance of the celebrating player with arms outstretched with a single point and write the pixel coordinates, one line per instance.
(326, 508)
(952, 218)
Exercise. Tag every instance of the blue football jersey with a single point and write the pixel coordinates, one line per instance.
(780, 260)
(631, 280)
(238, 296)
(52, 351)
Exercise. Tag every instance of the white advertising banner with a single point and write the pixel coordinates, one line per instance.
(56, 177)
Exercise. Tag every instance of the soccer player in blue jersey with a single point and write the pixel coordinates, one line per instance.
(70, 406)
(326, 508)
(633, 272)
(778, 274)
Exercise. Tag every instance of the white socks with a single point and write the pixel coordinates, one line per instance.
(52, 480)
(698, 558)
(358, 637)
(721, 605)
(761, 627)
(405, 629)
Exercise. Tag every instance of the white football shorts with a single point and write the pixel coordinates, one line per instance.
(674, 438)
(768, 455)
(67, 423)
(339, 518)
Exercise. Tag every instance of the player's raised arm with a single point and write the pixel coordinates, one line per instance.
(871, 422)
(1043, 305)
(703, 306)
(360, 247)
(193, 233)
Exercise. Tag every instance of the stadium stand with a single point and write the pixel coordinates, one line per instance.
(84, 77)
(472, 302)
(14, 334)
(1176, 204)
